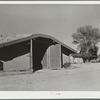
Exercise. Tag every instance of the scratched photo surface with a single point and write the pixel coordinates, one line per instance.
(50, 47)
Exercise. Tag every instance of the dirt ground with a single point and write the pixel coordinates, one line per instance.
(79, 77)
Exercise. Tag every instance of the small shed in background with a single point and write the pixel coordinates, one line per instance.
(75, 58)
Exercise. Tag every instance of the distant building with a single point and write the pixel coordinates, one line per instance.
(75, 58)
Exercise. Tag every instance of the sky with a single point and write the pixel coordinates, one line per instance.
(57, 20)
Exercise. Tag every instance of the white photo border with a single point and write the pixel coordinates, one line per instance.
(49, 94)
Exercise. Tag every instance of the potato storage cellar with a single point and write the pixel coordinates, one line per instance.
(35, 52)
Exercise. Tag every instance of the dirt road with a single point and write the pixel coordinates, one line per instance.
(77, 78)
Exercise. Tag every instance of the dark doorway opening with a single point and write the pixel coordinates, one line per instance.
(40, 46)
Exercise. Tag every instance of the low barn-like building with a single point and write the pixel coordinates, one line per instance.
(33, 52)
(75, 58)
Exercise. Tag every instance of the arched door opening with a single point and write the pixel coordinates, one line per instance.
(39, 48)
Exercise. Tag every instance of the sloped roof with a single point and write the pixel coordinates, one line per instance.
(15, 48)
(33, 36)
(76, 55)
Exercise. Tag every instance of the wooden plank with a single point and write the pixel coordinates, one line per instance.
(31, 54)
(55, 56)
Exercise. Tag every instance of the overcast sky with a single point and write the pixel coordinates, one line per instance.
(59, 21)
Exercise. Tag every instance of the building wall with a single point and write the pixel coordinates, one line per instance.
(51, 60)
(44, 61)
(17, 64)
(52, 57)
(65, 58)
(75, 60)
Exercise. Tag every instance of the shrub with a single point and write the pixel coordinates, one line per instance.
(93, 61)
(98, 61)
(66, 65)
